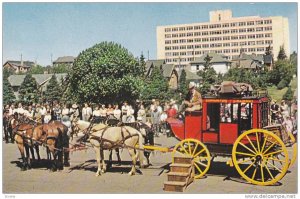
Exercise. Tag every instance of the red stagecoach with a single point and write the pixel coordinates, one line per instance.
(235, 126)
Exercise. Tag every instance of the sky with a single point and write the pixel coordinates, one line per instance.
(39, 30)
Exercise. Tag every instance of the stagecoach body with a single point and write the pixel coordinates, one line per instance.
(235, 127)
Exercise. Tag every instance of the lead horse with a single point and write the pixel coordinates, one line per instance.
(103, 137)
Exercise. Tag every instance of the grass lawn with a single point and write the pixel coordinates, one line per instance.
(278, 94)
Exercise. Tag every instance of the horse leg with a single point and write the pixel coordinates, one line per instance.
(97, 150)
(110, 159)
(102, 160)
(28, 162)
(6, 134)
(134, 157)
(37, 150)
(21, 149)
(118, 156)
(32, 152)
(11, 135)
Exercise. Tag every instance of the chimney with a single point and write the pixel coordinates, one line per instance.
(21, 60)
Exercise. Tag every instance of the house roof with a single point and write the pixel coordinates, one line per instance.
(250, 64)
(189, 75)
(216, 58)
(155, 63)
(168, 69)
(245, 56)
(65, 59)
(17, 80)
(26, 64)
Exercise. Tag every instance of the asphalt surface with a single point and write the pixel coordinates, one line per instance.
(80, 178)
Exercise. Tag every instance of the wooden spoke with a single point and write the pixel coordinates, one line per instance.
(272, 153)
(247, 160)
(263, 152)
(190, 150)
(197, 154)
(269, 172)
(247, 154)
(270, 158)
(274, 166)
(251, 143)
(199, 162)
(246, 148)
(198, 168)
(184, 149)
(263, 146)
(262, 173)
(194, 150)
(253, 175)
(258, 147)
(248, 167)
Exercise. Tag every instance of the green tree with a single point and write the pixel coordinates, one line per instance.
(281, 54)
(38, 69)
(293, 60)
(7, 72)
(142, 63)
(183, 84)
(28, 91)
(53, 91)
(288, 95)
(156, 86)
(8, 94)
(281, 70)
(60, 68)
(208, 75)
(105, 73)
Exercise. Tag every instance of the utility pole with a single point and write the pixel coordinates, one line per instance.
(148, 54)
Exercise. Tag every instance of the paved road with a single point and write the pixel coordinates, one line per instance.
(80, 177)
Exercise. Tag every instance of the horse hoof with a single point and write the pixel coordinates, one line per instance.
(131, 173)
(98, 174)
(23, 169)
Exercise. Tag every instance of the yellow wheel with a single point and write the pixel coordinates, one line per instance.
(260, 157)
(197, 150)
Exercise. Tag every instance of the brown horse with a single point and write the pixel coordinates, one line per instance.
(23, 137)
(54, 136)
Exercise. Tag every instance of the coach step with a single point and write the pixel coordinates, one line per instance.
(183, 160)
(174, 186)
(180, 168)
(177, 177)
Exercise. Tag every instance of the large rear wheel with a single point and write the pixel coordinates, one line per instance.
(260, 157)
(197, 151)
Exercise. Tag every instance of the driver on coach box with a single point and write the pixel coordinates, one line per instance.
(193, 99)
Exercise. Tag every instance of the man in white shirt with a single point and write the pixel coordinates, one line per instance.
(117, 112)
(86, 112)
(125, 112)
(20, 109)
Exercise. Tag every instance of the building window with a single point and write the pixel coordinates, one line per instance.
(168, 54)
(190, 28)
(175, 47)
(205, 46)
(168, 42)
(197, 52)
(168, 35)
(251, 43)
(190, 59)
(168, 48)
(182, 47)
(260, 49)
(197, 67)
(259, 35)
(182, 41)
(250, 30)
(259, 22)
(242, 36)
(219, 17)
(182, 35)
(243, 43)
(174, 29)
(190, 34)
(182, 53)
(174, 35)
(268, 21)
(197, 27)
(251, 36)
(197, 39)
(226, 38)
(268, 41)
(251, 49)
(227, 51)
(197, 34)
(234, 44)
(268, 28)
(242, 23)
(205, 33)
(243, 30)
(175, 41)
(225, 25)
(182, 29)
(268, 35)
(258, 29)
(205, 39)
(190, 40)
(233, 24)
(205, 27)
(197, 46)
(167, 29)
(190, 53)
(226, 31)
(234, 37)
(226, 44)
(260, 42)
(190, 47)
(250, 23)
(235, 50)
(234, 31)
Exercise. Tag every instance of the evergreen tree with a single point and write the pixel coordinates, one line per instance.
(28, 91)
(53, 91)
(142, 63)
(208, 75)
(156, 86)
(288, 95)
(8, 94)
(183, 84)
(281, 54)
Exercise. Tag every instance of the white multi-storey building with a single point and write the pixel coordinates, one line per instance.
(224, 34)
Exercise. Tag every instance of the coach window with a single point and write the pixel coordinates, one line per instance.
(213, 120)
(228, 113)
